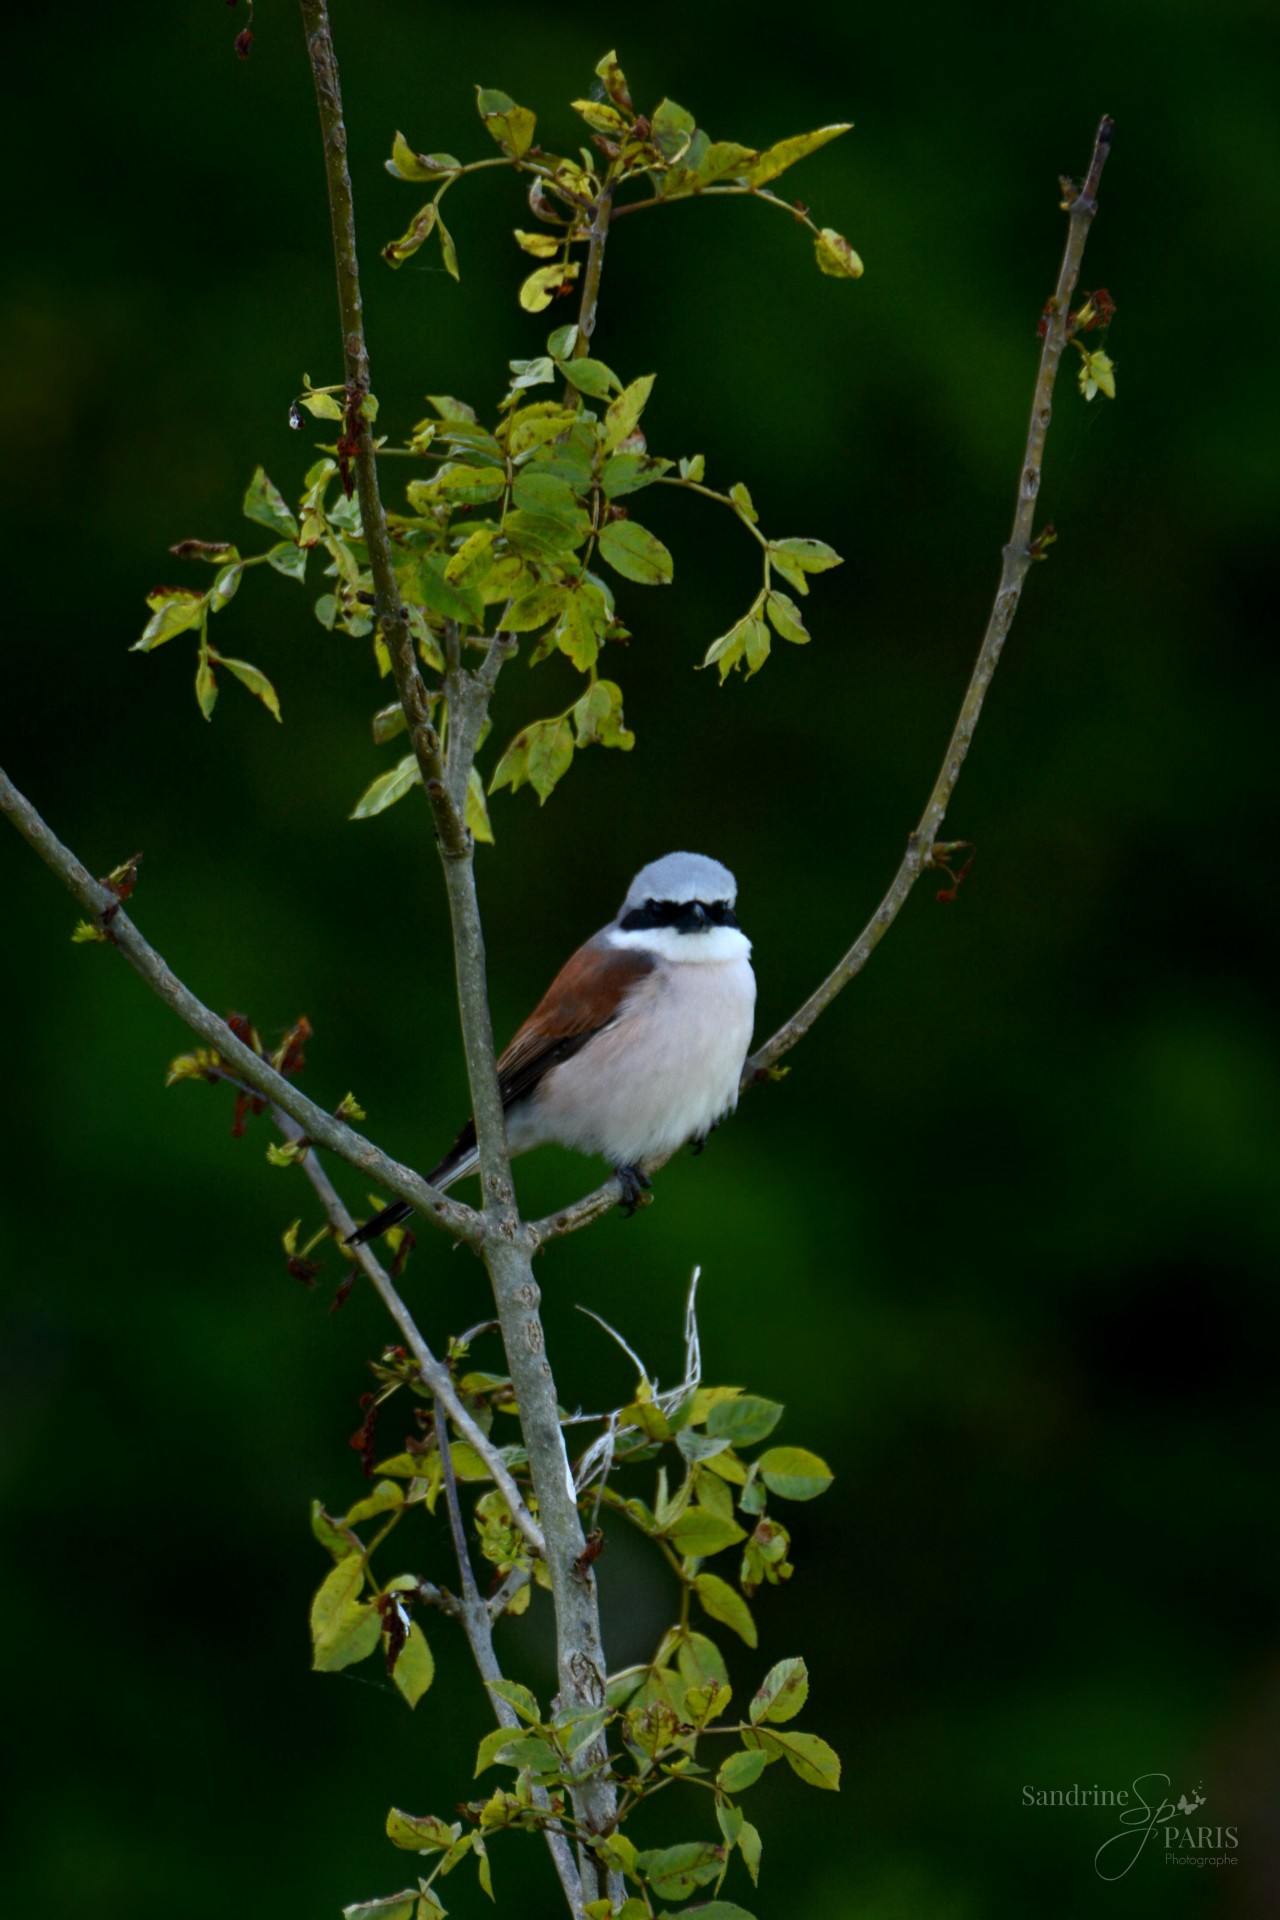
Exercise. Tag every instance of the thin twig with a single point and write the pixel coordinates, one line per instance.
(387, 1174)
(434, 1373)
(1017, 560)
(477, 1623)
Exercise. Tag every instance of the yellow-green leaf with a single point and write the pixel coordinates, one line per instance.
(206, 688)
(793, 1473)
(478, 809)
(414, 1669)
(256, 681)
(387, 789)
(836, 257)
(544, 283)
(725, 1604)
(782, 1692)
(623, 414)
(343, 1628)
(418, 230)
(636, 553)
(776, 159)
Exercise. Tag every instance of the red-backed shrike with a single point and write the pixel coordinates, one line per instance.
(639, 1042)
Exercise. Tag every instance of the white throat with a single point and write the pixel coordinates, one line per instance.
(714, 946)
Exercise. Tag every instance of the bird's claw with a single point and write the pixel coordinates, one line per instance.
(634, 1186)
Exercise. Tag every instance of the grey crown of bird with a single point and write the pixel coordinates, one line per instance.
(639, 1042)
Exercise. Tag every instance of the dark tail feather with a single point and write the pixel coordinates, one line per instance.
(389, 1217)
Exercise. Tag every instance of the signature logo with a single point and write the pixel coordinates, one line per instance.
(1146, 1812)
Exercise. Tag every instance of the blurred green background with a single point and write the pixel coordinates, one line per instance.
(1005, 1240)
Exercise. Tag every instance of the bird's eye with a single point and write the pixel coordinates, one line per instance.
(651, 908)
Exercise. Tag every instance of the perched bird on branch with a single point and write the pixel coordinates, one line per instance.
(639, 1042)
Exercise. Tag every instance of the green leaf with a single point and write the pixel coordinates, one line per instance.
(725, 1604)
(590, 377)
(388, 722)
(228, 581)
(321, 405)
(787, 618)
(723, 160)
(458, 485)
(550, 752)
(742, 500)
(755, 642)
(674, 1872)
(518, 1697)
(776, 159)
(173, 610)
(741, 1770)
(809, 556)
(478, 823)
(577, 633)
(405, 164)
(698, 1533)
(700, 1661)
(511, 126)
(712, 1910)
(287, 558)
(493, 1746)
(534, 609)
(330, 1534)
(256, 681)
(206, 687)
(536, 491)
(264, 503)
(420, 1832)
(393, 1906)
(474, 559)
(598, 717)
(603, 119)
(782, 1692)
(414, 1669)
(817, 1764)
(636, 554)
(418, 230)
(1098, 375)
(544, 283)
(743, 1420)
(541, 245)
(672, 129)
(384, 1497)
(749, 1846)
(387, 789)
(622, 415)
(793, 1473)
(343, 1628)
(836, 257)
(628, 472)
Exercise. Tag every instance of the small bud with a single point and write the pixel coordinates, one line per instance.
(244, 41)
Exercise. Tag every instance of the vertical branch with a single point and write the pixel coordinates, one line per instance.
(389, 614)
(505, 1241)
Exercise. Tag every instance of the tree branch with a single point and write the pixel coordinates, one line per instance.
(434, 1373)
(459, 1221)
(504, 1240)
(1017, 560)
(477, 1623)
(389, 614)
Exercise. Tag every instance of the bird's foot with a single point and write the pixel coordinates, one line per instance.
(634, 1186)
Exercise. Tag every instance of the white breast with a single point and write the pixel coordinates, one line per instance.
(665, 1071)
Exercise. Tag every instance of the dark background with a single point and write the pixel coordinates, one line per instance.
(1005, 1240)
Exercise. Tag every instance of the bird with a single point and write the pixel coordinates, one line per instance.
(638, 1044)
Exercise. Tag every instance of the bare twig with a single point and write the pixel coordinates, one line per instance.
(1017, 560)
(460, 1221)
(477, 1623)
(435, 1375)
